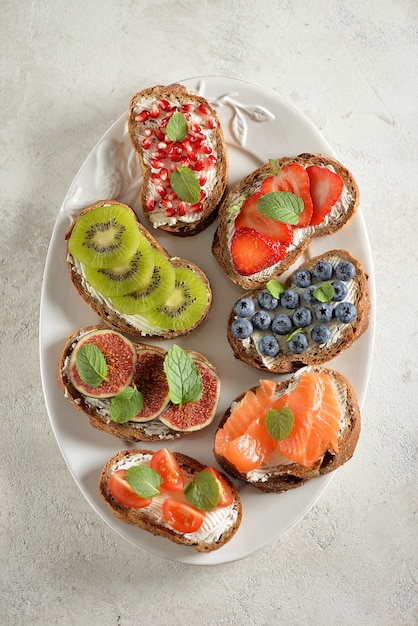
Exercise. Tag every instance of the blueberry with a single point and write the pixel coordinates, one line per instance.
(267, 301)
(340, 290)
(302, 278)
(261, 320)
(281, 324)
(298, 344)
(244, 307)
(269, 346)
(320, 333)
(241, 328)
(322, 270)
(289, 299)
(345, 270)
(302, 316)
(308, 295)
(345, 312)
(323, 312)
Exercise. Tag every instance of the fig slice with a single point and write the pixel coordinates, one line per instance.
(120, 356)
(196, 415)
(151, 381)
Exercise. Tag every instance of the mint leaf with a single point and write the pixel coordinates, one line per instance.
(203, 491)
(177, 127)
(185, 184)
(126, 404)
(144, 480)
(293, 333)
(275, 287)
(275, 166)
(91, 365)
(183, 376)
(282, 206)
(324, 293)
(279, 423)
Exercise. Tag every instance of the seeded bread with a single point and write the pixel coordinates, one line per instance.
(316, 354)
(98, 412)
(103, 308)
(252, 183)
(177, 95)
(280, 478)
(144, 520)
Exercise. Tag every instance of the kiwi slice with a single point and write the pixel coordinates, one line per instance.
(104, 236)
(129, 275)
(158, 289)
(186, 304)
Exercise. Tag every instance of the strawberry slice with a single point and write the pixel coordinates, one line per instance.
(250, 217)
(294, 178)
(326, 188)
(252, 253)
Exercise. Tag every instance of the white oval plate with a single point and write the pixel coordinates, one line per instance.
(259, 125)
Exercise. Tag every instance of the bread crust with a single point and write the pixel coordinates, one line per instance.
(140, 518)
(252, 183)
(178, 93)
(107, 313)
(286, 362)
(130, 431)
(292, 475)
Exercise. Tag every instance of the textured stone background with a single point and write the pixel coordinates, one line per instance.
(68, 70)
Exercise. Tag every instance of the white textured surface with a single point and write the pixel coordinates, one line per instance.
(68, 70)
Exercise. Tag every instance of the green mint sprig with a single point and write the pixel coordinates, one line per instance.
(177, 127)
(275, 287)
(144, 480)
(282, 206)
(279, 424)
(91, 365)
(183, 376)
(185, 184)
(324, 293)
(203, 491)
(126, 404)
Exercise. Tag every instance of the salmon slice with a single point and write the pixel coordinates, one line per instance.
(246, 411)
(244, 452)
(326, 425)
(266, 444)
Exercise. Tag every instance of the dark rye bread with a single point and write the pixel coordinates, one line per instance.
(177, 95)
(98, 415)
(290, 475)
(252, 183)
(107, 313)
(285, 361)
(141, 518)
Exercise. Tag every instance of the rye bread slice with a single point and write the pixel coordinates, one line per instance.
(146, 521)
(102, 306)
(316, 354)
(177, 95)
(98, 411)
(250, 184)
(285, 476)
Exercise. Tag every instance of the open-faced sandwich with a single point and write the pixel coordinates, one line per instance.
(268, 219)
(129, 280)
(134, 391)
(279, 435)
(320, 310)
(183, 157)
(172, 495)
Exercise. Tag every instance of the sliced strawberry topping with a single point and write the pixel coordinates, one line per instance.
(250, 217)
(252, 252)
(326, 188)
(294, 178)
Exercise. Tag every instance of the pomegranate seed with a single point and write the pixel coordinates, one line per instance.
(147, 143)
(164, 122)
(202, 194)
(159, 134)
(162, 145)
(155, 178)
(141, 117)
(164, 173)
(147, 132)
(156, 164)
(188, 116)
(160, 190)
(170, 212)
(202, 181)
(172, 195)
(211, 122)
(182, 208)
(163, 104)
(199, 165)
(160, 154)
(193, 155)
(200, 137)
(150, 204)
(205, 148)
(212, 160)
(185, 161)
(197, 208)
(204, 109)
(174, 153)
(154, 113)
(167, 204)
(187, 107)
(195, 128)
